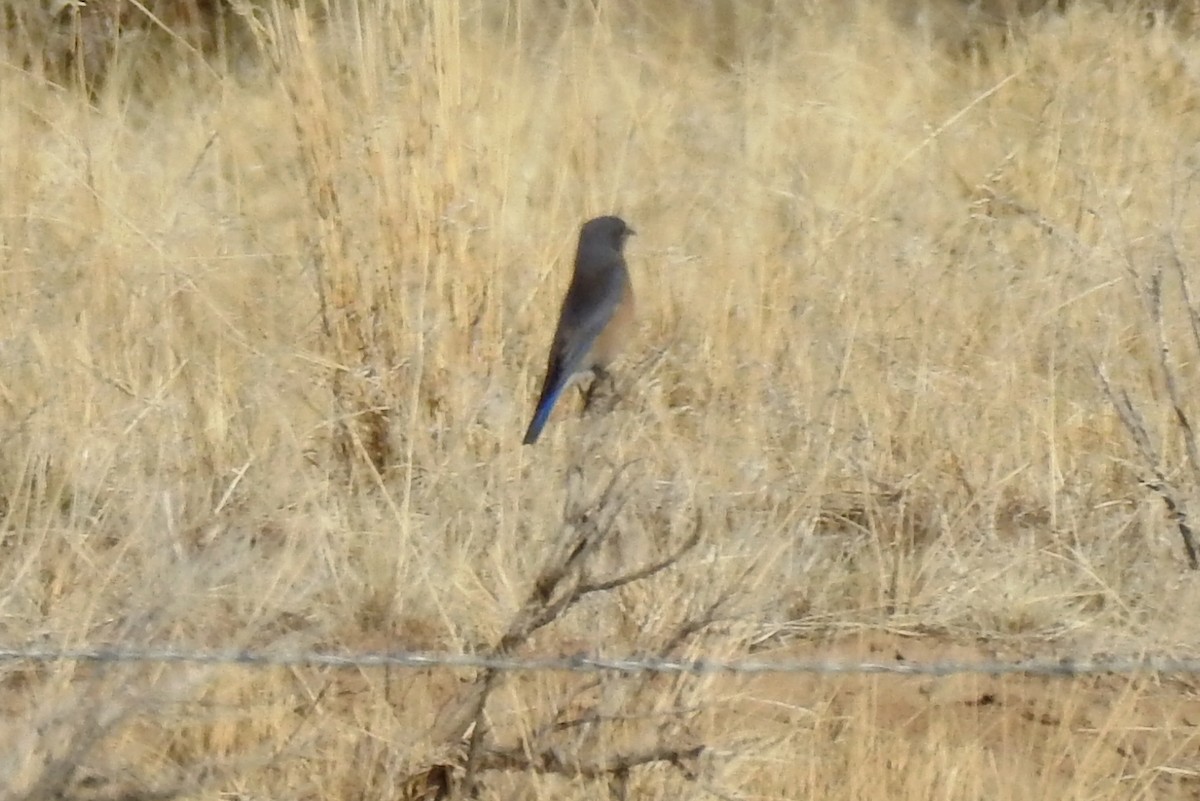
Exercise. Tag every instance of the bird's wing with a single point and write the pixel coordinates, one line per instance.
(587, 309)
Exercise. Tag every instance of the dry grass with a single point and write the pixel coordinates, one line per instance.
(270, 328)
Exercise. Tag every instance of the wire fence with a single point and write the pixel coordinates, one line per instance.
(1050, 667)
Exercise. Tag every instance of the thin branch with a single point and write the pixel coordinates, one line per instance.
(1129, 417)
(1168, 372)
(1137, 430)
(550, 761)
(559, 586)
(590, 530)
(1193, 448)
(1188, 297)
(539, 610)
(649, 570)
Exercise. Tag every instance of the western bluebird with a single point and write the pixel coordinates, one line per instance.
(596, 314)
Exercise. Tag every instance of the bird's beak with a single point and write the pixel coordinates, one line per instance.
(630, 232)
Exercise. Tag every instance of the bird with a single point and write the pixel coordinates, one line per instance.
(596, 315)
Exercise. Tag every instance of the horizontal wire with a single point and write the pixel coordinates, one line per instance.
(1061, 667)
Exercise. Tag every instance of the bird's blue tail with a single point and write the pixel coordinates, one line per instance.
(542, 414)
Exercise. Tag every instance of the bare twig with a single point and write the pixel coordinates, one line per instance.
(1193, 316)
(560, 585)
(648, 570)
(1166, 367)
(1137, 430)
(1188, 296)
(550, 761)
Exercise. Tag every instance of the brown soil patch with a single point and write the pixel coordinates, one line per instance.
(1041, 733)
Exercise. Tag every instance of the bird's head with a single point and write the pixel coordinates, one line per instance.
(611, 231)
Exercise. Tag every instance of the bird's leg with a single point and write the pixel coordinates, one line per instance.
(602, 385)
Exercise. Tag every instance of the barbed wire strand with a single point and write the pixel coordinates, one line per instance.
(1062, 667)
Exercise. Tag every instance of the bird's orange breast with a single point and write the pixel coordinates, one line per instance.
(619, 328)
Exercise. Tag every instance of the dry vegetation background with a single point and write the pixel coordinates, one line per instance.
(274, 302)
